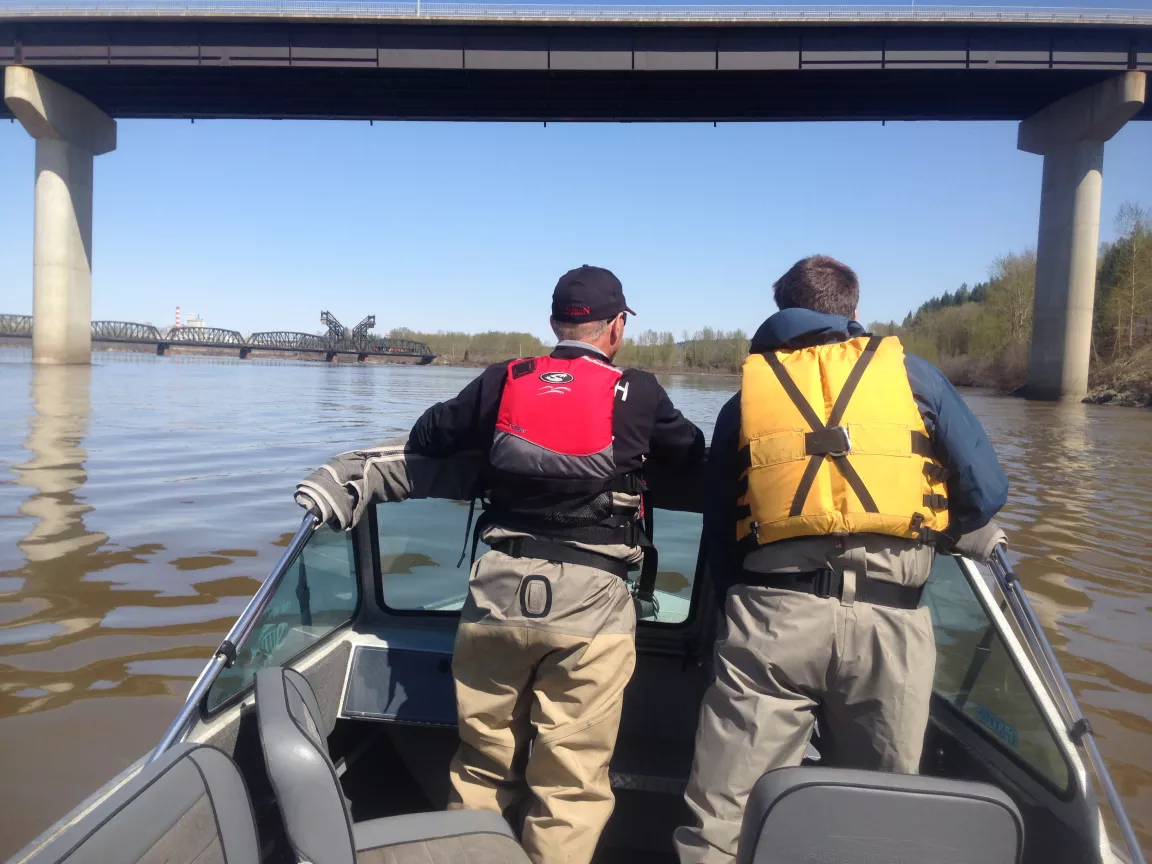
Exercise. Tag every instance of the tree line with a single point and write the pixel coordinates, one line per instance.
(980, 336)
(706, 350)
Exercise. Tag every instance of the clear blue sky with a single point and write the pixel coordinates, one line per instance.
(260, 225)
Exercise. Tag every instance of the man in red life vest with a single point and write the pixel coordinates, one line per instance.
(546, 642)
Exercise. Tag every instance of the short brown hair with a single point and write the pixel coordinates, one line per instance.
(821, 284)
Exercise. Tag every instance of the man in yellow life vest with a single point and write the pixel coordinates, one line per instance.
(834, 473)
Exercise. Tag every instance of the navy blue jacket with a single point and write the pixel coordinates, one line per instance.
(977, 486)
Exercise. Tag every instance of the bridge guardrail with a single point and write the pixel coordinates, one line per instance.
(390, 9)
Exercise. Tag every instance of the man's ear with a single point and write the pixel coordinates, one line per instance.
(618, 329)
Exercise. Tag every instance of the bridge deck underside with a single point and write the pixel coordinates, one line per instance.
(554, 72)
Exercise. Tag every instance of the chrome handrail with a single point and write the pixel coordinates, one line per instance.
(225, 655)
(1078, 728)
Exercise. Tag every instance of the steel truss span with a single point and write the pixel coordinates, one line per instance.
(398, 346)
(205, 336)
(124, 331)
(15, 325)
(287, 340)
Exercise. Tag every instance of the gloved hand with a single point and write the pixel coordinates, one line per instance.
(979, 545)
(323, 495)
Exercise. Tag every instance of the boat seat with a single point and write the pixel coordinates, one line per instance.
(315, 812)
(834, 814)
(190, 806)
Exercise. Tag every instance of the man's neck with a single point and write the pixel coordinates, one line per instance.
(576, 343)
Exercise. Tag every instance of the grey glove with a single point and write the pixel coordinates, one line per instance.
(323, 495)
(979, 545)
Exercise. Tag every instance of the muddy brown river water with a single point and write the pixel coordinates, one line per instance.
(142, 499)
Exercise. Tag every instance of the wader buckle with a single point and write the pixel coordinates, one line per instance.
(833, 441)
(828, 583)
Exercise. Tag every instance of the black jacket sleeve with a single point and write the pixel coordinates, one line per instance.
(677, 442)
(465, 422)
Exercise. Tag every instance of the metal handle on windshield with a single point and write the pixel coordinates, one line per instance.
(225, 655)
(1079, 729)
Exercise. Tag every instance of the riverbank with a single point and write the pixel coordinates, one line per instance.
(1127, 383)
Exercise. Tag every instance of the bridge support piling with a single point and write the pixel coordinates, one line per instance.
(69, 131)
(1070, 135)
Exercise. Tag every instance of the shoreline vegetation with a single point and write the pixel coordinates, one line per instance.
(978, 336)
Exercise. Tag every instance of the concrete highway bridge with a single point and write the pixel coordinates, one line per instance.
(1071, 77)
(282, 341)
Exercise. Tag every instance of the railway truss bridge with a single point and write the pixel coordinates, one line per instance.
(336, 342)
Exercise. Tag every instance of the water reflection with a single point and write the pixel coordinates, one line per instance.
(55, 468)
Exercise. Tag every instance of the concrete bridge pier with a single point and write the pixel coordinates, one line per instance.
(69, 131)
(1070, 135)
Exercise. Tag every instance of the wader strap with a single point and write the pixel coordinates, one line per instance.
(819, 427)
(828, 583)
(558, 553)
(467, 528)
(645, 590)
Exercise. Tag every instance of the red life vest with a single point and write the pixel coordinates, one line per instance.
(554, 425)
(551, 470)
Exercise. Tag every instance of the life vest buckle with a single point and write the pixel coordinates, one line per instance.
(833, 441)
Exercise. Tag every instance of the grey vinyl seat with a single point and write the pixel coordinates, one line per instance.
(190, 806)
(316, 817)
(835, 814)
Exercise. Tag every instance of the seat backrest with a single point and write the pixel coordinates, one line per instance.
(833, 814)
(303, 777)
(190, 806)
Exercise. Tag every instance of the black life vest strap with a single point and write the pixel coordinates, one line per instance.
(817, 442)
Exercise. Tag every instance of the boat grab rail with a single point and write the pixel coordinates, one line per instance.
(225, 655)
(1079, 730)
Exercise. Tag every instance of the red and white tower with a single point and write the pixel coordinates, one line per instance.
(177, 316)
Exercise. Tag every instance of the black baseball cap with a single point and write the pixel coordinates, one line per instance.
(588, 294)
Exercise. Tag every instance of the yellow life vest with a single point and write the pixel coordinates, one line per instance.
(832, 442)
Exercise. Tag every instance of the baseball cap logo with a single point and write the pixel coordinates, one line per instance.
(556, 378)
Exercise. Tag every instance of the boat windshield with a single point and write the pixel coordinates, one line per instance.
(977, 677)
(318, 593)
(419, 543)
